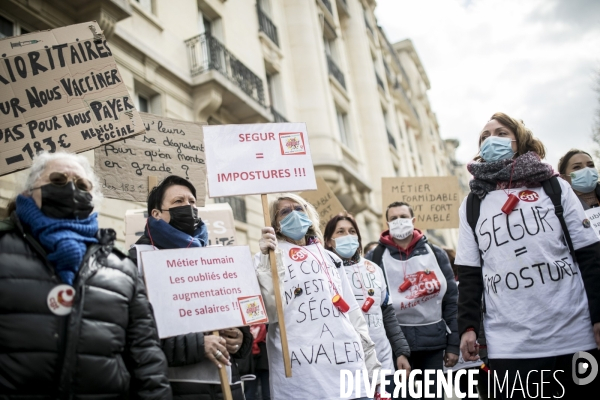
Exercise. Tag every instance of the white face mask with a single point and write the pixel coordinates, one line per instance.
(401, 228)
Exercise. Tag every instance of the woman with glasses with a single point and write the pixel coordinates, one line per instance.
(76, 321)
(370, 290)
(326, 330)
(540, 292)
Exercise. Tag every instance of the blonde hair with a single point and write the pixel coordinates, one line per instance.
(525, 140)
(310, 211)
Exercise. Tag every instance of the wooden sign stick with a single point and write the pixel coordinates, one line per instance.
(225, 388)
(287, 363)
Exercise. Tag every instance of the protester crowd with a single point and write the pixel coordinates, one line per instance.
(76, 323)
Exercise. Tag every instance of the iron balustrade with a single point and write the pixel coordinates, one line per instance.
(335, 71)
(399, 88)
(266, 25)
(277, 117)
(238, 206)
(391, 139)
(207, 53)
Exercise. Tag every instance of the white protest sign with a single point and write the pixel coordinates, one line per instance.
(258, 159)
(202, 289)
(593, 215)
(61, 91)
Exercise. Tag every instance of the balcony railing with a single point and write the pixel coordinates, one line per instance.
(327, 4)
(379, 81)
(335, 71)
(400, 89)
(238, 206)
(276, 116)
(266, 25)
(207, 53)
(391, 139)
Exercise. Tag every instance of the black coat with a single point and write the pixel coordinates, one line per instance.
(106, 348)
(189, 349)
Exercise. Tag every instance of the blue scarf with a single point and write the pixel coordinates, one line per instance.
(164, 236)
(65, 240)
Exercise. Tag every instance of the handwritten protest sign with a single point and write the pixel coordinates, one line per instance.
(203, 289)
(593, 215)
(217, 217)
(61, 90)
(435, 200)
(168, 147)
(325, 202)
(259, 158)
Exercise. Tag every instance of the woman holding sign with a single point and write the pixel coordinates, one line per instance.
(326, 330)
(525, 245)
(370, 290)
(173, 223)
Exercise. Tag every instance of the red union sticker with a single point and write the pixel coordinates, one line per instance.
(253, 310)
(60, 299)
(529, 196)
(424, 283)
(298, 254)
(292, 143)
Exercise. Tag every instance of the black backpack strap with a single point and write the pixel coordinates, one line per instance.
(473, 211)
(553, 190)
(337, 263)
(377, 257)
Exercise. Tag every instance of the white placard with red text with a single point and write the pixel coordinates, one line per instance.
(202, 289)
(258, 158)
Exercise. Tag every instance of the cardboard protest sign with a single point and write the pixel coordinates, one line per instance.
(325, 201)
(258, 159)
(435, 200)
(61, 91)
(593, 215)
(217, 217)
(202, 289)
(168, 147)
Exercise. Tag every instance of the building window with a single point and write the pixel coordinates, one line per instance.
(344, 127)
(238, 206)
(275, 97)
(10, 28)
(147, 100)
(143, 104)
(145, 5)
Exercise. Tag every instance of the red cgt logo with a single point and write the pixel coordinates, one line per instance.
(423, 284)
(298, 254)
(529, 196)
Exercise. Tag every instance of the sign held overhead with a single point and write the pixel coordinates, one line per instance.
(325, 202)
(435, 199)
(168, 147)
(257, 159)
(61, 91)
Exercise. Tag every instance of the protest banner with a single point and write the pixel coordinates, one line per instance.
(324, 201)
(257, 159)
(217, 217)
(202, 289)
(435, 200)
(127, 169)
(260, 159)
(593, 215)
(62, 91)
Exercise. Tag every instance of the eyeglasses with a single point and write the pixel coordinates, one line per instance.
(286, 210)
(61, 179)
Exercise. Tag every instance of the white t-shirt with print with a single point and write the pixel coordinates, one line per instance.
(321, 340)
(535, 299)
(366, 280)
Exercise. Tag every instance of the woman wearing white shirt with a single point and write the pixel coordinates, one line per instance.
(541, 306)
(322, 338)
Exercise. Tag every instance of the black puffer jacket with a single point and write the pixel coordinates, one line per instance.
(188, 349)
(432, 336)
(106, 348)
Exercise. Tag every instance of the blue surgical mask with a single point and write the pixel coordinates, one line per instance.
(295, 225)
(584, 180)
(496, 148)
(346, 246)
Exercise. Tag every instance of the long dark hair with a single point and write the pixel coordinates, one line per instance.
(332, 225)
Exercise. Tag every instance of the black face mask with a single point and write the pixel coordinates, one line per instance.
(66, 202)
(184, 218)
